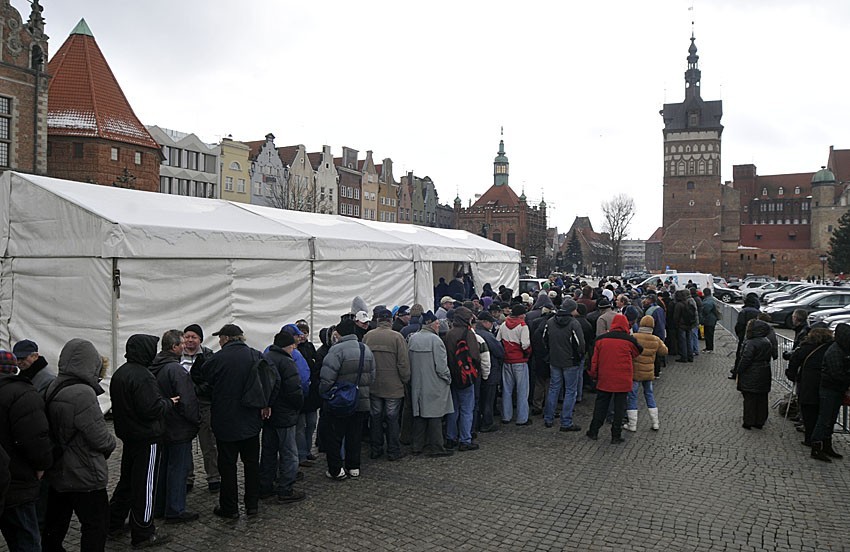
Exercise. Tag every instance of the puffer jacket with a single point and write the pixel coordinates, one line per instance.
(644, 365)
(516, 339)
(708, 311)
(613, 354)
(341, 364)
(835, 373)
(754, 368)
(77, 422)
(183, 421)
(138, 407)
(24, 436)
(287, 402)
(806, 362)
(559, 330)
(392, 362)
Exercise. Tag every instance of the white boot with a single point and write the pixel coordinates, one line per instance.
(653, 416)
(632, 425)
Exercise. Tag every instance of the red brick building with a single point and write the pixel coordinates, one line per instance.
(92, 132)
(23, 91)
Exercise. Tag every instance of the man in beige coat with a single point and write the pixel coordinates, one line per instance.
(392, 373)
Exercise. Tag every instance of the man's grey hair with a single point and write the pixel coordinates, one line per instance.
(170, 339)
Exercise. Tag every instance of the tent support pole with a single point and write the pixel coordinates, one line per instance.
(116, 293)
(311, 243)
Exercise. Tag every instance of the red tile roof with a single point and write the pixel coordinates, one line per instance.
(315, 158)
(287, 154)
(501, 196)
(657, 235)
(777, 236)
(85, 99)
(254, 147)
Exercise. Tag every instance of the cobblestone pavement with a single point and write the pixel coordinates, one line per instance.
(700, 483)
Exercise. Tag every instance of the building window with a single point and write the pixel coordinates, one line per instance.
(113, 154)
(497, 237)
(511, 240)
(797, 190)
(764, 192)
(5, 131)
(138, 158)
(691, 167)
(165, 184)
(691, 203)
(701, 166)
(691, 185)
(356, 193)
(781, 190)
(710, 166)
(240, 186)
(228, 184)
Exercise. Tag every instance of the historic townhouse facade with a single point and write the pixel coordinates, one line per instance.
(350, 183)
(268, 174)
(189, 166)
(235, 171)
(326, 181)
(388, 193)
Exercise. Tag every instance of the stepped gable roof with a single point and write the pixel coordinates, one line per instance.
(287, 154)
(498, 196)
(315, 159)
(84, 97)
(254, 147)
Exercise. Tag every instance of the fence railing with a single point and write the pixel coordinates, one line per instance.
(730, 316)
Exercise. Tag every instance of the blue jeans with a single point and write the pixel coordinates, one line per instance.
(648, 395)
(695, 341)
(569, 377)
(19, 525)
(304, 430)
(460, 421)
(279, 459)
(515, 377)
(388, 410)
(685, 351)
(176, 459)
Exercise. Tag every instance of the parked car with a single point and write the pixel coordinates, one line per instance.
(780, 313)
(821, 316)
(751, 287)
(775, 287)
(799, 290)
(726, 294)
(720, 281)
(530, 285)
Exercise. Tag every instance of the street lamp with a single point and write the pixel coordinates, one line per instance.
(773, 262)
(823, 259)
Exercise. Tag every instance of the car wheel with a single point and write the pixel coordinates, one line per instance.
(726, 297)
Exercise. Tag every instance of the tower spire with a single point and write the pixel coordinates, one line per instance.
(500, 164)
(692, 75)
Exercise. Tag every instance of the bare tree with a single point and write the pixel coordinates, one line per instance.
(618, 214)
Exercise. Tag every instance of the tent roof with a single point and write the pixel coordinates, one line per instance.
(47, 217)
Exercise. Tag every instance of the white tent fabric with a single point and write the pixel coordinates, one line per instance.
(81, 260)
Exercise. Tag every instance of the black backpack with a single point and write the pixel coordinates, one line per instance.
(466, 367)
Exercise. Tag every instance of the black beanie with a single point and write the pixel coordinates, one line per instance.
(195, 328)
(283, 339)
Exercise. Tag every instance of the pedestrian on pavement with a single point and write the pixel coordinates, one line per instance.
(193, 358)
(347, 361)
(430, 391)
(612, 368)
(279, 459)
(804, 369)
(463, 356)
(305, 429)
(78, 478)
(749, 312)
(834, 382)
(710, 315)
(386, 393)
(490, 384)
(565, 342)
(644, 373)
(138, 412)
(181, 427)
(236, 424)
(516, 340)
(685, 319)
(754, 375)
(24, 437)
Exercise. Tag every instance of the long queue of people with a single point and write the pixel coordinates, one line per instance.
(407, 380)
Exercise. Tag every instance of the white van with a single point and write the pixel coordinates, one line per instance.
(681, 280)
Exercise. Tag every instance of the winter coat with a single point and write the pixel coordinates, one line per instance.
(392, 362)
(682, 308)
(559, 331)
(603, 323)
(24, 436)
(516, 340)
(589, 333)
(77, 423)
(659, 316)
(835, 373)
(430, 394)
(183, 421)
(805, 365)
(39, 374)
(138, 407)
(455, 334)
(413, 326)
(749, 312)
(613, 353)
(497, 355)
(644, 365)
(542, 302)
(709, 311)
(342, 363)
(229, 372)
(289, 398)
(202, 388)
(754, 368)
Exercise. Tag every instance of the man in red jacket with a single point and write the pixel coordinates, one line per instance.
(611, 367)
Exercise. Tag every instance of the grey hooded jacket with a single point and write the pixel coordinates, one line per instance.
(77, 422)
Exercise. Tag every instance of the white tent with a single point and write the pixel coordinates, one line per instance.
(81, 260)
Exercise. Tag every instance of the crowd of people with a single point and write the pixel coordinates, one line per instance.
(405, 379)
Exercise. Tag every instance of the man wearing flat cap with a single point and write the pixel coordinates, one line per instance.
(236, 426)
(33, 366)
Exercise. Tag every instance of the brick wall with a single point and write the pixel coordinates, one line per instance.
(97, 166)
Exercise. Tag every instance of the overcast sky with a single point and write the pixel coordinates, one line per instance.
(576, 85)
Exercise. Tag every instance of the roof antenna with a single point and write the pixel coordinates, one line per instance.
(691, 9)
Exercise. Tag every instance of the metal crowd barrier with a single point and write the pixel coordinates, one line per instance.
(730, 316)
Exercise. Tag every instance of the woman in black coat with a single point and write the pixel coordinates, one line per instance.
(754, 372)
(834, 381)
(804, 369)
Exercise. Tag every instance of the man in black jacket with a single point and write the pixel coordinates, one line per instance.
(24, 436)
(484, 328)
(138, 411)
(181, 426)
(565, 343)
(236, 425)
(279, 458)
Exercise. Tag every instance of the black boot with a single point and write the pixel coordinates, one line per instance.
(818, 452)
(829, 451)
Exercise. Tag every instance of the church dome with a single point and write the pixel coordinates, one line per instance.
(823, 176)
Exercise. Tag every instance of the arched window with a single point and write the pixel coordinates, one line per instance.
(701, 166)
(764, 192)
(688, 148)
(710, 166)
(235, 166)
(702, 147)
(781, 190)
(690, 185)
(681, 168)
(797, 190)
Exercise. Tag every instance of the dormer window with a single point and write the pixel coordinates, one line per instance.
(764, 192)
(781, 190)
(797, 190)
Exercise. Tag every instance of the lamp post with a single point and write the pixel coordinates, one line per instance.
(823, 259)
(773, 262)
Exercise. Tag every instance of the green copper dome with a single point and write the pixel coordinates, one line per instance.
(823, 176)
(501, 158)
